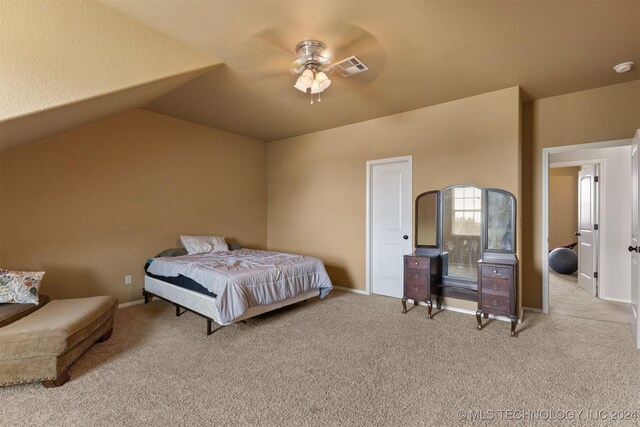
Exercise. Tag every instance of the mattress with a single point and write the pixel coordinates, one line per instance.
(181, 281)
(246, 278)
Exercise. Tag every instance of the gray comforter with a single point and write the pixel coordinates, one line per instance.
(245, 278)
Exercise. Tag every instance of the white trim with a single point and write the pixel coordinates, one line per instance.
(466, 311)
(626, 301)
(544, 233)
(355, 291)
(532, 309)
(130, 303)
(370, 164)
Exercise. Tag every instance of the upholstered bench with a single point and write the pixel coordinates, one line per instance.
(9, 313)
(42, 345)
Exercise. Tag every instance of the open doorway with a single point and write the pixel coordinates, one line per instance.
(603, 236)
(573, 207)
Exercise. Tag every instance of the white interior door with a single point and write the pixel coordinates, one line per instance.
(391, 236)
(635, 238)
(587, 218)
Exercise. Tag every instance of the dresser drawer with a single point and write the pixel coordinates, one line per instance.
(496, 286)
(496, 272)
(416, 291)
(416, 263)
(415, 284)
(496, 304)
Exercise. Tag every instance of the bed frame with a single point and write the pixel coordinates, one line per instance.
(204, 305)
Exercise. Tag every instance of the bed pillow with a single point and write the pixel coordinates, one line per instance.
(20, 287)
(204, 244)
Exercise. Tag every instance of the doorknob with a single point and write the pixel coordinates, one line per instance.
(405, 237)
(634, 249)
(576, 234)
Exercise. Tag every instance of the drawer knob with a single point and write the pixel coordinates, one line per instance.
(416, 262)
(495, 271)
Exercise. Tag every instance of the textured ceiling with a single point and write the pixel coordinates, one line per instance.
(421, 53)
(66, 63)
(69, 62)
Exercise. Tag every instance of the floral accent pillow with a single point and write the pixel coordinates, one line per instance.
(20, 286)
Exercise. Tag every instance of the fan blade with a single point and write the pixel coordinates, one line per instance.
(355, 40)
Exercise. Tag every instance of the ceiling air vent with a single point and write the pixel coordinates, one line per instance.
(350, 66)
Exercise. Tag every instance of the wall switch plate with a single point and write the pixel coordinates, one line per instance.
(127, 279)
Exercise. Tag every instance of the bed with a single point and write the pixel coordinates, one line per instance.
(232, 286)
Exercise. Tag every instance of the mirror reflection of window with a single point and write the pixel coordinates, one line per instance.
(461, 231)
(467, 211)
(499, 227)
(427, 220)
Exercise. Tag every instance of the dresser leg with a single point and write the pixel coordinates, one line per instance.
(439, 302)
(514, 322)
(404, 305)
(479, 319)
(486, 315)
(429, 307)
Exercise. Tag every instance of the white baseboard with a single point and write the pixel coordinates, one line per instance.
(355, 291)
(626, 301)
(467, 311)
(130, 303)
(533, 309)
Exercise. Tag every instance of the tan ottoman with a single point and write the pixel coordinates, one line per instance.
(42, 345)
(9, 313)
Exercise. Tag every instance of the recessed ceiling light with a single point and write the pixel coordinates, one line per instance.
(624, 67)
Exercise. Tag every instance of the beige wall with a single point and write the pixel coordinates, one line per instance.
(610, 112)
(91, 205)
(316, 182)
(563, 206)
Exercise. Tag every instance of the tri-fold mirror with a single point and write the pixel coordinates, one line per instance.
(464, 223)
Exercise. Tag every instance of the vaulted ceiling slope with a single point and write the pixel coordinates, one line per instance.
(66, 63)
(420, 53)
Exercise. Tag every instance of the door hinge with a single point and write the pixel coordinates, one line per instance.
(596, 179)
(595, 227)
(595, 275)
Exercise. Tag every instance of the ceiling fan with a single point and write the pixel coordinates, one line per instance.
(313, 65)
(267, 56)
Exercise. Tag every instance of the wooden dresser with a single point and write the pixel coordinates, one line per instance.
(421, 274)
(497, 290)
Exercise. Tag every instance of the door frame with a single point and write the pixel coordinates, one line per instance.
(544, 229)
(369, 249)
(600, 198)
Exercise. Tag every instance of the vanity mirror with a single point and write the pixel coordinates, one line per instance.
(501, 213)
(427, 220)
(465, 249)
(462, 212)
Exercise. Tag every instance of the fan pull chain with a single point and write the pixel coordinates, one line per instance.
(319, 100)
(311, 99)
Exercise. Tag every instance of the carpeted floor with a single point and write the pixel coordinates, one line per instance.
(347, 360)
(569, 299)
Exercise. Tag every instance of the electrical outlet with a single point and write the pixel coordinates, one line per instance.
(127, 279)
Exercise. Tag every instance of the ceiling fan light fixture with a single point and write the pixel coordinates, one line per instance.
(305, 81)
(322, 81)
(306, 78)
(315, 62)
(315, 87)
(301, 87)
